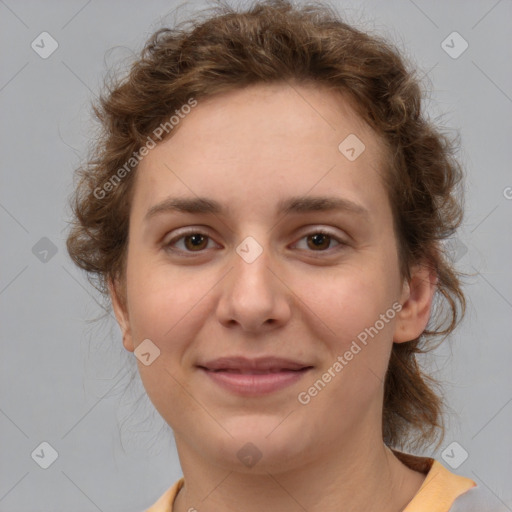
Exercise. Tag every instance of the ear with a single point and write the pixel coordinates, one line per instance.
(121, 316)
(416, 300)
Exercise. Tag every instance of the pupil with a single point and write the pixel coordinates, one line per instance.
(319, 238)
(196, 240)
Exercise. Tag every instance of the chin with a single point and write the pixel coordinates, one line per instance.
(260, 447)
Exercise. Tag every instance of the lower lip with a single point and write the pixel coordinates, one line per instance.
(255, 384)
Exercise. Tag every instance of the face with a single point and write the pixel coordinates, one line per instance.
(274, 311)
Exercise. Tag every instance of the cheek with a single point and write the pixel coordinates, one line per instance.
(353, 311)
(162, 299)
(348, 386)
(166, 308)
(349, 299)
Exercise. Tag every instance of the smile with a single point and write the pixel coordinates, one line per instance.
(254, 382)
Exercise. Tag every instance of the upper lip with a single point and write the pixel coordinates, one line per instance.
(259, 364)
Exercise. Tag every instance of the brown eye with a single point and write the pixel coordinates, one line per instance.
(319, 241)
(196, 241)
(193, 241)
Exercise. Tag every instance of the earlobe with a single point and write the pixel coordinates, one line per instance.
(416, 300)
(121, 316)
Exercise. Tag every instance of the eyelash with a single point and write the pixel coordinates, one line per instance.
(168, 245)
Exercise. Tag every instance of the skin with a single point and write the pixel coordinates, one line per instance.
(250, 149)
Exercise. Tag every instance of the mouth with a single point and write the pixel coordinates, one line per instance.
(253, 372)
(255, 377)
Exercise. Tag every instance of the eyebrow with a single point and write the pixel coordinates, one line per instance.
(298, 204)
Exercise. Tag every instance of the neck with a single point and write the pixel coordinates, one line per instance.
(349, 479)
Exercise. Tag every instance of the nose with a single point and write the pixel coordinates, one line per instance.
(254, 295)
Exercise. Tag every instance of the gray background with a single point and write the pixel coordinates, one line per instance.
(66, 380)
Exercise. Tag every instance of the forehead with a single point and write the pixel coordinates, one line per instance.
(258, 145)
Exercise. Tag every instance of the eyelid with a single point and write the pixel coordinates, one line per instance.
(311, 230)
(182, 234)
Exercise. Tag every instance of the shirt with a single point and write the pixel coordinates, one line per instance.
(441, 491)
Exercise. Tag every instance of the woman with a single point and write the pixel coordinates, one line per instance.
(266, 209)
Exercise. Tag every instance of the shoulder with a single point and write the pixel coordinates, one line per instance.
(440, 488)
(165, 502)
(444, 491)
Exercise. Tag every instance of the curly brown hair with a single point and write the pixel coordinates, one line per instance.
(269, 42)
